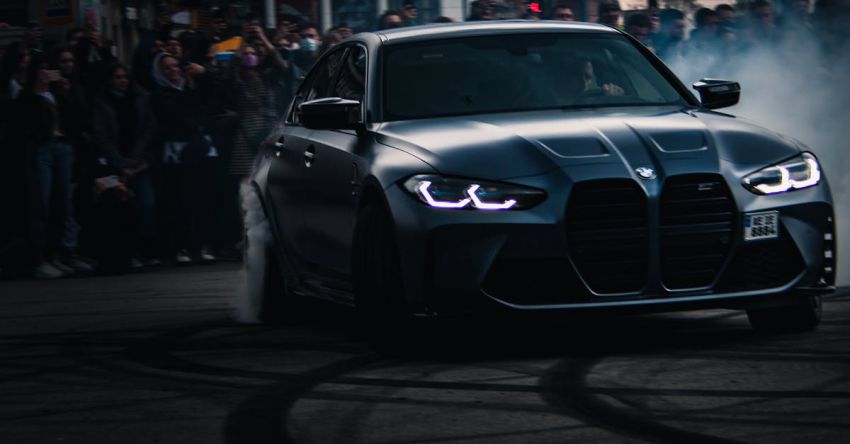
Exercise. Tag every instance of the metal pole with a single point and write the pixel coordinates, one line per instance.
(271, 16)
(327, 16)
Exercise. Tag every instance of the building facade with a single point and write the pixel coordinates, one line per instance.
(122, 21)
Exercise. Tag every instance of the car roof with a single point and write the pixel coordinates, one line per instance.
(442, 30)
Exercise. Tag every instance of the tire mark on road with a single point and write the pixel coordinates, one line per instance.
(261, 417)
(565, 389)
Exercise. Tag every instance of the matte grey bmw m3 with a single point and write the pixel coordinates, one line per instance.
(535, 166)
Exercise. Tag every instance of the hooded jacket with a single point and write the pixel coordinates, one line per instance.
(179, 111)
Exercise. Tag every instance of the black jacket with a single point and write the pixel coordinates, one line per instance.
(105, 124)
(179, 114)
(181, 117)
(34, 119)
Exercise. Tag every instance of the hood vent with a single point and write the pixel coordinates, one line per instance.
(574, 147)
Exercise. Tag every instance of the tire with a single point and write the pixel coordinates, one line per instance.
(383, 316)
(804, 314)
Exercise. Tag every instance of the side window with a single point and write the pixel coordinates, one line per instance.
(351, 83)
(303, 89)
(317, 84)
(325, 75)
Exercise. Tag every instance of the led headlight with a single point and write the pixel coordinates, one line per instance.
(800, 172)
(447, 193)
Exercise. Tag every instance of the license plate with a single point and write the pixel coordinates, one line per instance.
(759, 226)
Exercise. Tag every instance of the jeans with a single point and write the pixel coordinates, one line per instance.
(145, 208)
(50, 215)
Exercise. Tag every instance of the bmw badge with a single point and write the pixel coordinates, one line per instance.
(645, 173)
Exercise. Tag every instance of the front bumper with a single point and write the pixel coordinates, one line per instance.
(467, 261)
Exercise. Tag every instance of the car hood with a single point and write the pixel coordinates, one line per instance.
(609, 140)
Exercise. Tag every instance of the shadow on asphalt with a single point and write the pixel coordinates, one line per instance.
(546, 336)
(270, 379)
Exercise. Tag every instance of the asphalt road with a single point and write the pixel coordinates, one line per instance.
(155, 358)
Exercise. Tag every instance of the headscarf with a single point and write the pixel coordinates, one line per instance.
(160, 79)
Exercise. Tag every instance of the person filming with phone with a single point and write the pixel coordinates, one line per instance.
(47, 182)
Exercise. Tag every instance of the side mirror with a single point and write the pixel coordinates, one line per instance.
(718, 93)
(330, 113)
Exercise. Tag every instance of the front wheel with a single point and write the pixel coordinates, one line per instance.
(277, 305)
(378, 286)
(804, 314)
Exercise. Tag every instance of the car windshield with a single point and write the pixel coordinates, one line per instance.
(519, 72)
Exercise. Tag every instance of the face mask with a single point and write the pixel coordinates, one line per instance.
(118, 92)
(250, 60)
(309, 44)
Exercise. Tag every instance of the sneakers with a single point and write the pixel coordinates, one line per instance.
(59, 265)
(46, 271)
(135, 264)
(138, 263)
(153, 262)
(207, 255)
(183, 257)
(79, 264)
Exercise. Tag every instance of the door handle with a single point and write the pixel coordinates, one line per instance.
(309, 156)
(278, 147)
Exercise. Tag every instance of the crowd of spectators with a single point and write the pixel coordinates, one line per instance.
(108, 167)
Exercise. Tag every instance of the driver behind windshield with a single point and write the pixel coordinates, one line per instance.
(591, 85)
(475, 75)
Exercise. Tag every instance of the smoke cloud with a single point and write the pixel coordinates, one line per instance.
(257, 235)
(800, 92)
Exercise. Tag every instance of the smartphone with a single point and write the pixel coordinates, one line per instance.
(224, 56)
(107, 182)
(53, 75)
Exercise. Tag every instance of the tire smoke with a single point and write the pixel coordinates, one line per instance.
(257, 235)
(798, 91)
